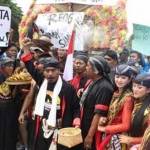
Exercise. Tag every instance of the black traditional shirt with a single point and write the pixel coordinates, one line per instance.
(96, 101)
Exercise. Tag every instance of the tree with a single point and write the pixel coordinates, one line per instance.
(16, 16)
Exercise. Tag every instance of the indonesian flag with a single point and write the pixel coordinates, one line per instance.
(68, 70)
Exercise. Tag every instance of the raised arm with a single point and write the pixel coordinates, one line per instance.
(27, 58)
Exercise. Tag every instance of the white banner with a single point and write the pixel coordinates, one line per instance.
(86, 2)
(59, 26)
(5, 22)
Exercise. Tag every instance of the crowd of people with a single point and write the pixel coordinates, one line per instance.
(108, 98)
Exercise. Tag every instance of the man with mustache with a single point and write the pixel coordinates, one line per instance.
(57, 105)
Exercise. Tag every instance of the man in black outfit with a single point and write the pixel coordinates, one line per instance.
(95, 99)
(68, 109)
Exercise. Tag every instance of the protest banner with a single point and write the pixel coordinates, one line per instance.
(85, 2)
(103, 26)
(5, 22)
(141, 40)
(59, 26)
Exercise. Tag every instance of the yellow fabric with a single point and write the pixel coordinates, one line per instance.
(137, 106)
(145, 140)
(4, 89)
(116, 104)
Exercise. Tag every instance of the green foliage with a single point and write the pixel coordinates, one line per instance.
(16, 16)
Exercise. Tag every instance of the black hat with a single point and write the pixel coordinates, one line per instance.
(100, 64)
(82, 57)
(143, 79)
(44, 60)
(51, 62)
(126, 70)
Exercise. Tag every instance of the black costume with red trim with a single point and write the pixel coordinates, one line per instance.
(69, 107)
(97, 101)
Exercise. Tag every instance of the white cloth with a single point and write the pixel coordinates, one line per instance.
(52, 116)
(47, 131)
(53, 145)
(39, 106)
(40, 100)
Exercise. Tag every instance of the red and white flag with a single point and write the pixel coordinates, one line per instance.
(68, 70)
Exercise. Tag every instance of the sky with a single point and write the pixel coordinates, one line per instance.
(137, 10)
(24, 4)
